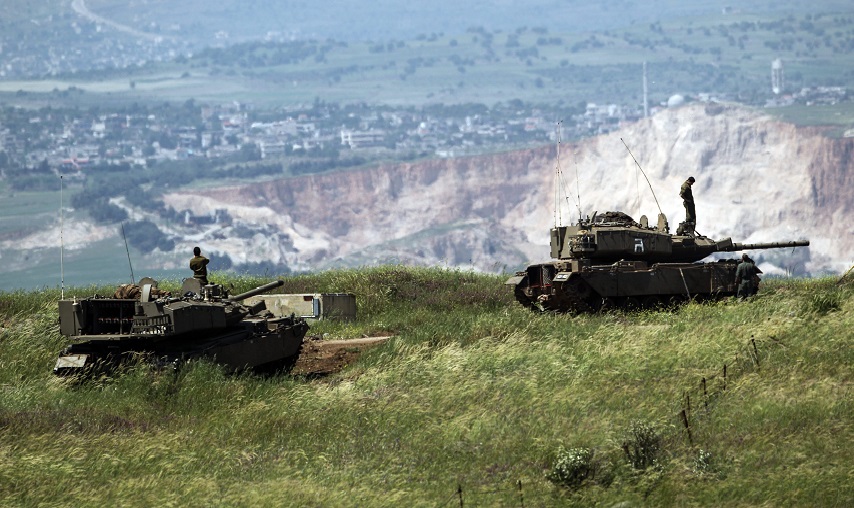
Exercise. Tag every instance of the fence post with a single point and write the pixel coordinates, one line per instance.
(705, 395)
(460, 493)
(687, 428)
(755, 352)
(521, 496)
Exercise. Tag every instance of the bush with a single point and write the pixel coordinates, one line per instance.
(704, 463)
(146, 236)
(573, 467)
(106, 213)
(642, 445)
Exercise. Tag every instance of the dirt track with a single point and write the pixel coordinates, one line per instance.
(321, 357)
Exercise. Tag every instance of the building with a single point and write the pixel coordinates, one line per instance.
(362, 139)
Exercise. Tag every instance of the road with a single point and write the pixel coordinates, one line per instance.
(80, 8)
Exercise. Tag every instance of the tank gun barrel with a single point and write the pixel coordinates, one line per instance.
(257, 291)
(768, 245)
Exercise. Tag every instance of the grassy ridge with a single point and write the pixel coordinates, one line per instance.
(473, 398)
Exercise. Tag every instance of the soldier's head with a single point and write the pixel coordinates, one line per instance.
(690, 179)
(197, 251)
(745, 257)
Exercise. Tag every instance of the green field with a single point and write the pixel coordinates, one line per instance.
(838, 118)
(49, 265)
(475, 402)
(727, 54)
(28, 211)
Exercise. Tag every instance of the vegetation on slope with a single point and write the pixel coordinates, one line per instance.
(728, 53)
(475, 400)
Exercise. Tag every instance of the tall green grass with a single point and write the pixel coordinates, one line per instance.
(474, 398)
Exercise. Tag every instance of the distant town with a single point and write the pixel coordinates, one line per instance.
(80, 44)
(69, 141)
(72, 142)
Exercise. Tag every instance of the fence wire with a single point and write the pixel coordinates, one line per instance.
(746, 360)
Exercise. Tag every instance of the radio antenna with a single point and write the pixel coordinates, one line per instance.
(132, 280)
(577, 188)
(558, 180)
(561, 188)
(61, 246)
(644, 175)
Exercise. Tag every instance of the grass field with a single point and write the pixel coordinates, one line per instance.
(27, 211)
(838, 117)
(475, 401)
(721, 54)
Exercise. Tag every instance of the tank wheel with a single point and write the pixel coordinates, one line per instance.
(631, 304)
(578, 288)
(547, 303)
(675, 301)
(607, 305)
(524, 300)
(652, 302)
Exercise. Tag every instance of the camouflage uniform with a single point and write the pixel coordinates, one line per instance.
(745, 278)
(688, 201)
(199, 265)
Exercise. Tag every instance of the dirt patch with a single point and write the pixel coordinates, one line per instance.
(320, 357)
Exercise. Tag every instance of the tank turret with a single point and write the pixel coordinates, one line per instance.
(615, 236)
(610, 260)
(202, 322)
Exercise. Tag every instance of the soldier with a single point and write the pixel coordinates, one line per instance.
(746, 276)
(688, 201)
(199, 265)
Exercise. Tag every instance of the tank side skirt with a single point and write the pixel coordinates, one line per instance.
(665, 281)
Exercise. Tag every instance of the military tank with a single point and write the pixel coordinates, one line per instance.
(202, 322)
(610, 261)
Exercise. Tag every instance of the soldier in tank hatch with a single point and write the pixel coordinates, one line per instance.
(199, 265)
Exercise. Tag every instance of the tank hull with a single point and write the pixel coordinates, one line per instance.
(565, 286)
(257, 345)
(106, 332)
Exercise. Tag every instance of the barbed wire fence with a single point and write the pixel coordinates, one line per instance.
(707, 390)
(487, 496)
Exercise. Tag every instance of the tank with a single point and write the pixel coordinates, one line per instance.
(610, 261)
(201, 322)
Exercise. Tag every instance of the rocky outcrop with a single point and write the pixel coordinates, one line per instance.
(757, 180)
(443, 211)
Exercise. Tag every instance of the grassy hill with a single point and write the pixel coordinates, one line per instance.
(475, 401)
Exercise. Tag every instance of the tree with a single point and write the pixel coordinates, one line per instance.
(106, 213)
(250, 152)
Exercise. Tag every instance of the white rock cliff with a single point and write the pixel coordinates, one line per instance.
(757, 180)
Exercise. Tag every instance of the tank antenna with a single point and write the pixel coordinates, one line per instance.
(639, 200)
(132, 280)
(644, 175)
(61, 246)
(577, 189)
(561, 186)
(558, 180)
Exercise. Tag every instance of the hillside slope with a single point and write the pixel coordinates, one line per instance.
(728, 404)
(757, 180)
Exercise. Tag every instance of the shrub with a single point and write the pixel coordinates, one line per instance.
(704, 462)
(573, 467)
(642, 445)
